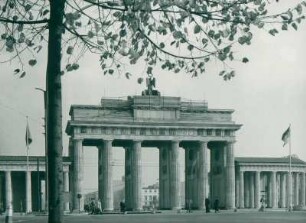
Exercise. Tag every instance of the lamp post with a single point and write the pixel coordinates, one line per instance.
(46, 146)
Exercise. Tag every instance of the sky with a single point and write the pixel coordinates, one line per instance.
(268, 94)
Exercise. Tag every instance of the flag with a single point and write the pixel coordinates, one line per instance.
(285, 136)
(28, 136)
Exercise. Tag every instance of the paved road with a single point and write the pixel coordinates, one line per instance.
(170, 217)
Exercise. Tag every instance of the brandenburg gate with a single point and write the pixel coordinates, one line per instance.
(168, 123)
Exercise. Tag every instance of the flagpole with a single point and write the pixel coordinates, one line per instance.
(27, 143)
(290, 176)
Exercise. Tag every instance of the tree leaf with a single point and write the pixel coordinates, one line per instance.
(245, 60)
(22, 74)
(222, 73)
(45, 12)
(294, 26)
(32, 62)
(127, 75)
(16, 71)
(69, 50)
(140, 80)
(75, 66)
(197, 29)
(299, 9)
(285, 26)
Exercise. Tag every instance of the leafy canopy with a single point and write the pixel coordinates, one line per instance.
(178, 35)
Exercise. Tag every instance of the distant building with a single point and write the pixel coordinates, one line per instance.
(266, 179)
(24, 186)
(118, 194)
(150, 196)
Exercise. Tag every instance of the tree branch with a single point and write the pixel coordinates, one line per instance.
(4, 20)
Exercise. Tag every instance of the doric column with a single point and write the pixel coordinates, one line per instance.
(188, 177)
(136, 175)
(230, 177)
(128, 179)
(174, 176)
(1, 189)
(257, 189)
(289, 191)
(247, 190)
(252, 195)
(164, 176)
(302, 195)
(66, 189)
(241, 189)
(203, 176)
(78, 175)
(296, 188)
(273, 189)
(237, 192)
(28, 192)
(8, 194)
(161, 177)
(9, 197)
(283, 190)
(303, 188)
(106, 176)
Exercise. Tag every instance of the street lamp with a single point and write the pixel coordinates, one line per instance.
(46, 146)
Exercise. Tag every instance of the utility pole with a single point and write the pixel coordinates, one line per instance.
(46, 147)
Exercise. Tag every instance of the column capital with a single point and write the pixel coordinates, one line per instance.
(230, 143)
(137, 141)
(76, 139)
(107, 139)
(175, 141)
(203, 143)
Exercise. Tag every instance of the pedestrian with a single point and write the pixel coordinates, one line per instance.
(216, 205)
(207, 205)
(189, 205)
(262, 207)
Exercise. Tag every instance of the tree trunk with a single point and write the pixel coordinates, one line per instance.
(54, 112)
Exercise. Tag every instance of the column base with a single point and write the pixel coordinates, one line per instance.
(108, 210)
(76, 211)
(176, 208)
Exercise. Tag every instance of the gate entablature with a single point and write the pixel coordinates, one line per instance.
(151, 116)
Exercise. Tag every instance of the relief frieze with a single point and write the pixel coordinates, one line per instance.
(153, 131)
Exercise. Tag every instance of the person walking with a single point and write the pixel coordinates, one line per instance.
(189, 205)
(207, 205)
(216, 205)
